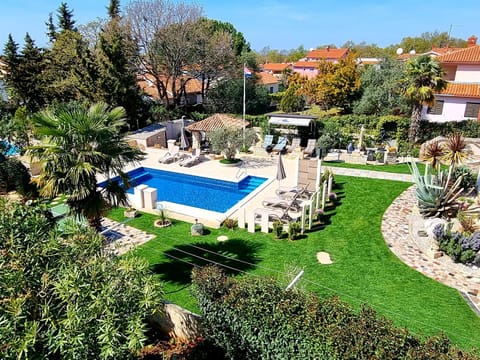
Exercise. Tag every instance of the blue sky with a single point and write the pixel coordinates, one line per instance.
(280, 24)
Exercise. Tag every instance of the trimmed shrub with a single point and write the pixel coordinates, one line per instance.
(253, 318)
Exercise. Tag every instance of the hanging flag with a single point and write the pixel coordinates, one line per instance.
(247, 72)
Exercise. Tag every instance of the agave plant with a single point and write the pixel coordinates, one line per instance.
(437, 195)
(455, 150)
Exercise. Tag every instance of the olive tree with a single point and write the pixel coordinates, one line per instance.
(228, 141)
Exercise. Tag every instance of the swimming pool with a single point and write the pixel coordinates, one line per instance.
(195, 191)
(9, 149)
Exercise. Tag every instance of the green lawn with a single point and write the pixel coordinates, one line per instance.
(390, 168)
(364, 269)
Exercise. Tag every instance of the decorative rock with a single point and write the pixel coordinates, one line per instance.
(430, 224)
(196, 229)
(324, 258)
(222, 238)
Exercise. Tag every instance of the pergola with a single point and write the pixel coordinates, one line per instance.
(212, 123)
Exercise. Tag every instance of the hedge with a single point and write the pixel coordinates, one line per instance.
(253, 318)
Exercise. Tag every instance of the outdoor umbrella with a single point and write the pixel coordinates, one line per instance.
(183, 139)
(280, 169)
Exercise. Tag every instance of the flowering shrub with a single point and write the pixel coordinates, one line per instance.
(332, 197)
(460, 247)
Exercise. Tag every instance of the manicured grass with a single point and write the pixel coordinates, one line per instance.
(390, 168)
(364, 269)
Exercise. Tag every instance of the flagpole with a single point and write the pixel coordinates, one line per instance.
(243, 118)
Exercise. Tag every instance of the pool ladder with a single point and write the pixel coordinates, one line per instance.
(242, 171)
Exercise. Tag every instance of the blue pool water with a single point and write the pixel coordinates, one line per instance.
(10, 149)
(196, 191)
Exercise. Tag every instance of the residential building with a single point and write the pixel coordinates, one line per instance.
(461, 98)
(268, 80)
(308, 66)
(192, 95)
(276, 69)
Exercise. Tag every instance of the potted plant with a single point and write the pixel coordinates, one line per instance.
(277, 229)
(130, 212)
(162, 221)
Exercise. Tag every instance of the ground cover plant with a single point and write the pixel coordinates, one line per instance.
(364, 269)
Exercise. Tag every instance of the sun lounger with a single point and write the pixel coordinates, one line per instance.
(288, 192)
(192, 159)
(310, 149)
(281, 145)
(295, 144)
(267, 141)
(281, 203)
(170, 156)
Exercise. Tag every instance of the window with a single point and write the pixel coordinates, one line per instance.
(271, 89)
(437, 108)
(471, 110)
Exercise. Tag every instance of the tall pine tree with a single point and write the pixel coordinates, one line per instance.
(116, 53)
(65, 18)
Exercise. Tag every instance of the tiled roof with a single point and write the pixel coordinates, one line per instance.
(445, 50)
(276, 66)
(306, 64)
(266, 78)
(327, 53)
(462, 90)
(147, 84)
(469, 55)
(215, 122)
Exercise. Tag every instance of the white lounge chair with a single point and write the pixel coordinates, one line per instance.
(281, 203)
(192, 159)
(288, 192)
(170, 156)
(310, 149)
(295, 144)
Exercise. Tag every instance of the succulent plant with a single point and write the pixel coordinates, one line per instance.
(436, 194)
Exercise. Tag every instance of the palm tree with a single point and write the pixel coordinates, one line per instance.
(423, 78)
(79, 143)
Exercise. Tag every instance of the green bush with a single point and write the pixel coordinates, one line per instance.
(253, 318)
(294, 230)
(469, 180)
(429, 130)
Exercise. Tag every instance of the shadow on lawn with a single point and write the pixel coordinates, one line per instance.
(235, 256)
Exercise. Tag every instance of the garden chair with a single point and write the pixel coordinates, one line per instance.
(282, 203)
(288, 192)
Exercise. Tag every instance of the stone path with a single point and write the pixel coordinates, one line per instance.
(124, 238)
(396, 232)
(369, 173)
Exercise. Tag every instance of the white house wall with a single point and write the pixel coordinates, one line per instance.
(468, 74)
(453, 110)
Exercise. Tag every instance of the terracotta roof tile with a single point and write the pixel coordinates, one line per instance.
(462, 90)
(266, 78)
(215, 122)
(306, 64)
(445, 50)
(327, 53)
(146, 82)
(470, 55)
(276, 66)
